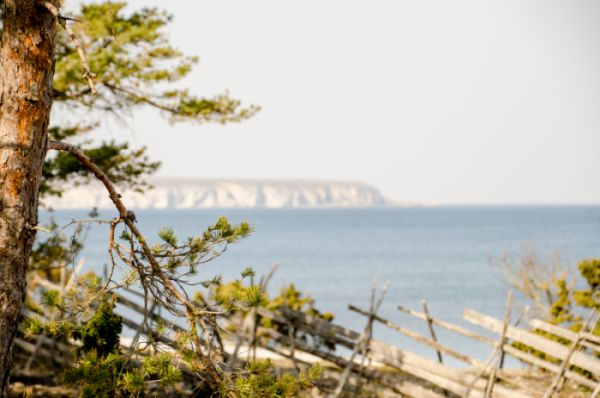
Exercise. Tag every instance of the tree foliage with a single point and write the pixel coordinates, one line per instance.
(557, 296)
(259, 381)
(134, 65)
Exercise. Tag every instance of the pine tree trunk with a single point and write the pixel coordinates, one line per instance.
(26, 71)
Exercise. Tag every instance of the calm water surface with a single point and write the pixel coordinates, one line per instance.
(442, 254)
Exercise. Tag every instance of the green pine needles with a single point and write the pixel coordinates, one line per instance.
(133, 65)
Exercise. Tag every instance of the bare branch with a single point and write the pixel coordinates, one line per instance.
(99, 174)
(192, 311)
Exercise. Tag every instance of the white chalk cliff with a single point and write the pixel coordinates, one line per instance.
(195, 193)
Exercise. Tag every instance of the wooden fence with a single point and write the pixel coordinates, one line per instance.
(389, 367)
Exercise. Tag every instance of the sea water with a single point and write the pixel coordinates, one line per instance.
(444, 255)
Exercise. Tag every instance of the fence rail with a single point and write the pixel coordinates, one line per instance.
(371, 360)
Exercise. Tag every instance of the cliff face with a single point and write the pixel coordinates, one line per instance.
(193, 193)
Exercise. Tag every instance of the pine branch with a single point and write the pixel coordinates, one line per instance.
(87, 73)
(192, 312)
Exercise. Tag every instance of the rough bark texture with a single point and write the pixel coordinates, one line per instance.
(26, 71)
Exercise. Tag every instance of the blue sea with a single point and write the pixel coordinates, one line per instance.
(444, 255)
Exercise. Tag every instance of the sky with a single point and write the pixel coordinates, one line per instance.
(435, 101)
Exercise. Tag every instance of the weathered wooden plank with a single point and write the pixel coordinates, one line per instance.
(516, 353)
(451, 380)
(532, 359)
(500, 348)
(588, 339)
(446, 384)
(538, 342)
(411, 389)
(329, 335)
(319, 323)
(326, 330)
(596, 391)
(523, 356)
(45, 282)
(405, 387)
(421, 339)
(557, 382)
(449, 326)
(32, 349)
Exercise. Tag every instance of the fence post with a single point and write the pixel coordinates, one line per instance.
(431, 331)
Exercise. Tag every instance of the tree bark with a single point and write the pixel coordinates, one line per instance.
(27, 69)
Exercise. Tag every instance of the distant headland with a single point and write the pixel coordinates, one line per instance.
(188, 193)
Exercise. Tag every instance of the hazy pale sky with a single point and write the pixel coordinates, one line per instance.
(437, 101)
